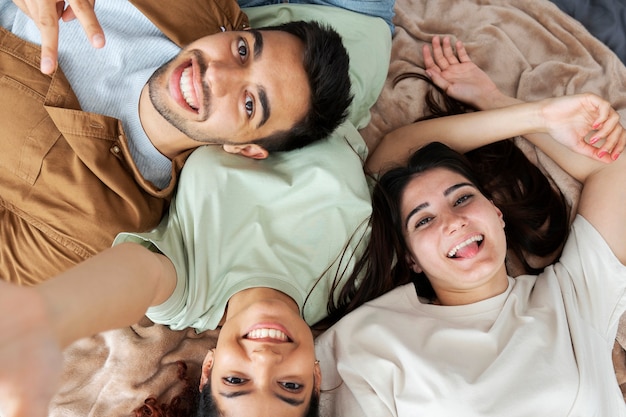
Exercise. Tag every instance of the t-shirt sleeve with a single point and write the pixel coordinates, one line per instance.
(339, 397)
(592, 277)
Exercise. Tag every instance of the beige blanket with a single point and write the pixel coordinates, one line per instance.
(531, 50)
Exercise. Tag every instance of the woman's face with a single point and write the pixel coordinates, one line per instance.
(455, 235)
(264, 362)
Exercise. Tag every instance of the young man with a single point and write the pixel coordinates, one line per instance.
(95, 148)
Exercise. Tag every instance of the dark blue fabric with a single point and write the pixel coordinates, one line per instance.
(605, 19)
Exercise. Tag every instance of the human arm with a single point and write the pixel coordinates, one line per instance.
(557, 126)
(110, 290)
(46, 15)
(567, 119)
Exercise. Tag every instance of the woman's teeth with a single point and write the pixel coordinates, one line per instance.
(461, 245)
(267, 334)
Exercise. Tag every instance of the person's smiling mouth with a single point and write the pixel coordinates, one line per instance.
(467, 248)
(187, 89)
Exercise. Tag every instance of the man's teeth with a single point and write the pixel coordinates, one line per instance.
(267, 334)
(469, 241)
(186, 88)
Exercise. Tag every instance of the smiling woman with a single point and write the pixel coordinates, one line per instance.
(461, 334)
(264, 360)
(264, 357)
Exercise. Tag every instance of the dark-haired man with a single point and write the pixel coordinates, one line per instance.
(76, 170)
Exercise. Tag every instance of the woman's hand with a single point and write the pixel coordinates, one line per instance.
(586, 124)
(46, 15)
(458, 76)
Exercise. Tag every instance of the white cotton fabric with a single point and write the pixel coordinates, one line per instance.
(541, 348)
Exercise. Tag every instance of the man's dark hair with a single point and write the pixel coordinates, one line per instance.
(326, 63)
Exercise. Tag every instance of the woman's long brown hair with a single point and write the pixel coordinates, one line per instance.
(535, 212)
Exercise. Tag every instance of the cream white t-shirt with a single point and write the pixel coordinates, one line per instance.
(542, 348)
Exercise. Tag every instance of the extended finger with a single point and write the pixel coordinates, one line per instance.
(47, 20)
(428, 57)
(448, 52)
(439, 58)
(84, 11)
(462, 52)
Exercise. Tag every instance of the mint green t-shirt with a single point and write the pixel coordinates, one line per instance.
(284, 222)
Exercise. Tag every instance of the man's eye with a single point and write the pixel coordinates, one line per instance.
(233, 380)
(242, 48)
(291, 386)
(249, 106)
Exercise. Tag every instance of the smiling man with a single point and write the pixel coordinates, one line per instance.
(96, 147)
(228, 89)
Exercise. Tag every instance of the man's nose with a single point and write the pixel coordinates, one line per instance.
(223, 77)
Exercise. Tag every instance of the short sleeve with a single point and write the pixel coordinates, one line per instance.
(591, 276)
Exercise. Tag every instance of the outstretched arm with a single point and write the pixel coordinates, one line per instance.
(110, 290)
(46, 15)
(568, 120)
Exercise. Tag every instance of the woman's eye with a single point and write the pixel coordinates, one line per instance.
(291, 386)
(423, 222)
(249, 106)
(462, 199)
(242, 48)
(233, 380)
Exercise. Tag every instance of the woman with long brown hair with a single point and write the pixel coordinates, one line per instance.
(448, 331)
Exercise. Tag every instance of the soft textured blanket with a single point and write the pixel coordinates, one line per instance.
(530, 48)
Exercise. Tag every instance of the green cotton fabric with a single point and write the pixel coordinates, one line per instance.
(283, 222)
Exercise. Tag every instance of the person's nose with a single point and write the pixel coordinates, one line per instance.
(223, 77)
(453, 222)
(267, 353)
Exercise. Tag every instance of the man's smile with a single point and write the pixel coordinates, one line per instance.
(184, 87)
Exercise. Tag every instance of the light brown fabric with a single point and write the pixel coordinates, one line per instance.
(530, 48)
(68, 184)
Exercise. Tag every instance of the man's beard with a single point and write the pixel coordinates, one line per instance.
(160, 100)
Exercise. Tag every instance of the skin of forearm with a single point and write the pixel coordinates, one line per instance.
(495, 100)
(557, 152)
(110, 290)
(461, 132)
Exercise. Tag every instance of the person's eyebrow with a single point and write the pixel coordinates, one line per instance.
(258, 43)
(446, 193)
(265, 106)
(264, 102)
(291, 401)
